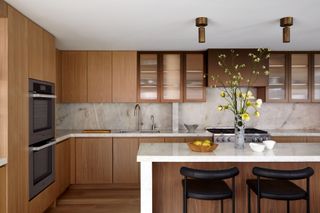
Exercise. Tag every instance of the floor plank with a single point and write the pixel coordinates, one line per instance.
(98, 201)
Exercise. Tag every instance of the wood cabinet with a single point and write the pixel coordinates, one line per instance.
(194, 80)
(99, 77)
(175, 140)
(93, 160)
(43, 200)
(3, 190)
(62, 167)
(316, 78)
(289, 139)
(58, 76)
(214, 69)
(124, 76)
(35, 51)
(74, 77)
(125, 165)
(151, 140)
(49, 57)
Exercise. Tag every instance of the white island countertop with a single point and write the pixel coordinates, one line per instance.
(3, 161)
(225, 152)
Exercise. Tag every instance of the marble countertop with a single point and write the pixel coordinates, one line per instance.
(179, 152)
(3, 161)
(65, 134)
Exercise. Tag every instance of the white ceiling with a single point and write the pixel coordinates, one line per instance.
(169, 24)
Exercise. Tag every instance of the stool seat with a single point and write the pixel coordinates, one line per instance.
(277, 189)
(208, 189)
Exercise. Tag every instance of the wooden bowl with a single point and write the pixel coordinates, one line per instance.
(196, 148)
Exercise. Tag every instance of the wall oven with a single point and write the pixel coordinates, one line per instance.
(41, 136)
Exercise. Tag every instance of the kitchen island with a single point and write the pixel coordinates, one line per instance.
(161, 188)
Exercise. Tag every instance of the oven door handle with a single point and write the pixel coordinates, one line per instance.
(37, 95)
(38, 148)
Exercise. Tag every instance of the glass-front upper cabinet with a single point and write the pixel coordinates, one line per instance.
(194, 77)
(148, 77)
(171, 77)
(299, 77)
(277, 86)
(316, 78)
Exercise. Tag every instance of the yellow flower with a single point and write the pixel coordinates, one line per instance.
(258, 103)
(257, 114)
(245, 117)
(248, 103)
(222, 94)
(220, 108)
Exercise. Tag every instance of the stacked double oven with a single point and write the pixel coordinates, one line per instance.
(41, 136)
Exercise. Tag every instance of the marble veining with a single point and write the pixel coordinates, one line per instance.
(280, 116)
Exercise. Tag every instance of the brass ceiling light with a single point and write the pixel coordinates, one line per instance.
(286, 23)
(202, 22)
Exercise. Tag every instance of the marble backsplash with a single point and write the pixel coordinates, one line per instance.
(121, 116)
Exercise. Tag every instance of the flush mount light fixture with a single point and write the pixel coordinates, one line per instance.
(202, 22)
(286, 23)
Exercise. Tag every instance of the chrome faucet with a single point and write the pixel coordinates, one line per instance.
(137, 112)
(153, 124)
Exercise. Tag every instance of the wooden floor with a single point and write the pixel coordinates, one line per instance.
(98, 201)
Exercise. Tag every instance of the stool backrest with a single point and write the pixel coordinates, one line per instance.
(209, 174)
(283, 174)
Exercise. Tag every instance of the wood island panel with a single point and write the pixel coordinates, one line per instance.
(167, 189)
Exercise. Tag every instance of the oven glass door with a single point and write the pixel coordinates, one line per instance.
(41, 169)
(42, 114)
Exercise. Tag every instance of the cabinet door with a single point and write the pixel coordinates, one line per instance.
(125, 165)
(35, 51)
(99, 77)
(289, 139)
(316, 78)
(277, 86)
(124, 76)
(49, 57)
(299, 82)
(175, 140)
(74, 76)
(3, 191)
(62, 160)
(172, 77)
(191, 139)
(194, 85)
(93, 160)
(58, 76)
(151, 140)
(148, 78)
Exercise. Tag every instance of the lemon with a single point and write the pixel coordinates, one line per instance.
(206, 143)
(197, 143)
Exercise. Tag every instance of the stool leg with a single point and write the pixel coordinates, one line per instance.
(185, 204)
(249, 201)
(308, 205)
(221, 206)
(288, 206)
(258, 204)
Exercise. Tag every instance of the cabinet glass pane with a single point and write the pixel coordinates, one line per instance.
(194, 76)
(171, 76)
(299, 76)
(277, 77)
(316, 91)
(148, 77)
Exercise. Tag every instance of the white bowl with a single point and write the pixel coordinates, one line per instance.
(257, 147)
(269, 144)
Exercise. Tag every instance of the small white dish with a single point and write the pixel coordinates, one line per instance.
(269, 144)
(257, 147)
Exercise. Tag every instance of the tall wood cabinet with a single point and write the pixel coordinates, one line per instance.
(49, 57)
(74, 77)
(62, 167)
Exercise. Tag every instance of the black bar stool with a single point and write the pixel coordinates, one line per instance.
(208, 185)
(276, 185)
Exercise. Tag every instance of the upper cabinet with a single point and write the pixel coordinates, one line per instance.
(99, 77)
(299, 78)
(214, 69)
(171, 77)
(148, 77)
(74, 77)
(316, 78)
(124, 76)
(41, 53)
(194, 86)
(35, 51)
(277, 87)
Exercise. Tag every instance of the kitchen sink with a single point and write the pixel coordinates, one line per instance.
(141, 131)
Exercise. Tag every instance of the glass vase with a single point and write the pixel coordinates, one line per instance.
(239, 132)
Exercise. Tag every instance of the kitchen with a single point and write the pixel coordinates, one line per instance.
(94, 120)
